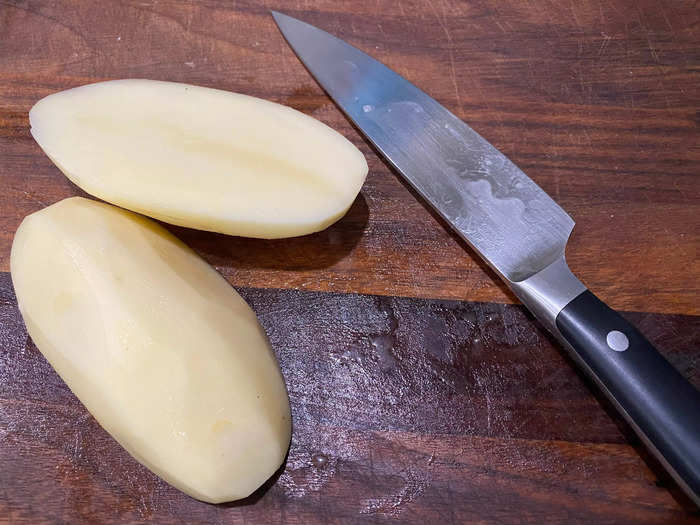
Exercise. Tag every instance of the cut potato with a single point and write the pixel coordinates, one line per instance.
(169, 359)
(201, 158)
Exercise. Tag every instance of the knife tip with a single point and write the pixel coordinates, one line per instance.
(277, 15)
(285, 20)
(285, 23)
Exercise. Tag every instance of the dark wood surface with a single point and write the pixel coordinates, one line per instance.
(413, 408)
(596, 100)
(487, 422)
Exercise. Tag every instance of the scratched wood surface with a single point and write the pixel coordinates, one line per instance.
(413, 408)
(487, 422)
(597, 100)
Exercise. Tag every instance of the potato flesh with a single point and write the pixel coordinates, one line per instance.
(169, 359)
(200, 157)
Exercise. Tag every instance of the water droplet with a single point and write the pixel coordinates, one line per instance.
(350, 355)
(367, 108)
(319, 460)
(384, 346)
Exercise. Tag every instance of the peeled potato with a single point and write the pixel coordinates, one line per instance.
(201, 158)
(169, 359)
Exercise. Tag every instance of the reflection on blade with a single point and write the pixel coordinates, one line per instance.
(514, 225)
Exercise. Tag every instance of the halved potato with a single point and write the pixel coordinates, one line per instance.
(201, 157)
(169, 359)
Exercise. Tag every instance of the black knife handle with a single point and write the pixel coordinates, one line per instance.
(657, 400)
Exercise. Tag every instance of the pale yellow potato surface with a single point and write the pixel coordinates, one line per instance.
(169, 359)
(200, 157)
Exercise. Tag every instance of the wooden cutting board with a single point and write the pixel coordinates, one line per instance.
(421, 392)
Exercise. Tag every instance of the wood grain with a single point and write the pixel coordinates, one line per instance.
(597, 100)
(415, 409)
(423, 411)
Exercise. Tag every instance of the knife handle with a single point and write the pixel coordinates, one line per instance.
(659, 403)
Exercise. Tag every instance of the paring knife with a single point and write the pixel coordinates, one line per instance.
(518, 230)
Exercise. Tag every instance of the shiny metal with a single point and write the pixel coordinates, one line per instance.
(509, 220)
(514, 225)
(617, 341)
(548, 291)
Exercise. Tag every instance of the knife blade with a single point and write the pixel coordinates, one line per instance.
(518, 230)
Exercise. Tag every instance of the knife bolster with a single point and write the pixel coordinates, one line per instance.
(547, 292)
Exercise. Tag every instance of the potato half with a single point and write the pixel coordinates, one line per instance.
(201, 158)
(169, 359)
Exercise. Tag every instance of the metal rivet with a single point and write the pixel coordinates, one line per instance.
(617, 341)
